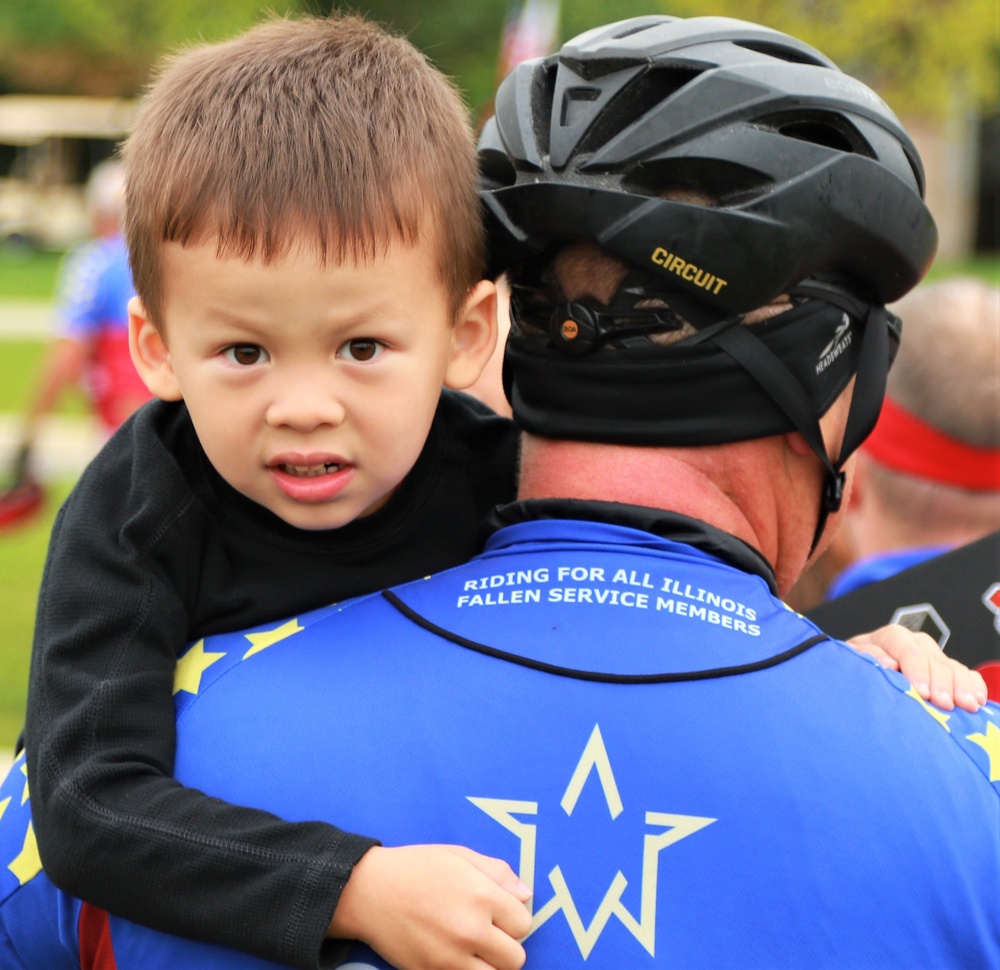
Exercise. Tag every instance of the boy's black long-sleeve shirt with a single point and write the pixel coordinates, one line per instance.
(151, 550)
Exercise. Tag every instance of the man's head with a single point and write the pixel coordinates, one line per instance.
(306, 242)
(930, 472)
(105, 197)
(726, 167)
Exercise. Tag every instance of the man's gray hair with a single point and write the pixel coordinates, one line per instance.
(948, 369)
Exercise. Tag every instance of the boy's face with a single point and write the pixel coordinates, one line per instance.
(311, 387)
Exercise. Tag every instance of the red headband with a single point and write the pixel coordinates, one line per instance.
(903, 442)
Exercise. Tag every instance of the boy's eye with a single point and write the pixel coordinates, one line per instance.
(245, 354)
(361, 349)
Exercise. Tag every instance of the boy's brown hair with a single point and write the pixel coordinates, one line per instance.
(325, 132)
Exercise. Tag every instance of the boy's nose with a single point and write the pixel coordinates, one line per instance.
(305, 403)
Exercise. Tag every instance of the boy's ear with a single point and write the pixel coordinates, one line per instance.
(149, 353)
(473, 337)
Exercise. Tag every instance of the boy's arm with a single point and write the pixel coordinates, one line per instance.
(113, 826)
(116, 829)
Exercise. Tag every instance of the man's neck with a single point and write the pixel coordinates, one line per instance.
(730, 487)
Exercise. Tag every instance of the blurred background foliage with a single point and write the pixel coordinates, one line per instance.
(920, 56)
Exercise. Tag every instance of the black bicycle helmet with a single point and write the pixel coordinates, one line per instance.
(815, 189)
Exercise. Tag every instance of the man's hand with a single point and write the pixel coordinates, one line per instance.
(938, 678)
(435, 907)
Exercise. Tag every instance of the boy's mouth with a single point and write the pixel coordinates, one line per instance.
(314, 478)
(311, 471)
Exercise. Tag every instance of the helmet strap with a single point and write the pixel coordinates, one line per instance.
(866, 404)
(789, 395)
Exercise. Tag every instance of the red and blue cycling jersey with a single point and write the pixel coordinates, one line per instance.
(92, 308)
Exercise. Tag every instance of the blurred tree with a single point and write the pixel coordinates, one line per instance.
(461, 38)
(106, 47)
(919, 56)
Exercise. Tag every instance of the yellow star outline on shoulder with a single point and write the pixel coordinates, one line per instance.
(674, 828)
(191, 667)
(938, 716)
(22, 765)
(990, 743)
(268, 638)
(27, 863)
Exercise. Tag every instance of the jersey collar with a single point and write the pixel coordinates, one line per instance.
(658, 522)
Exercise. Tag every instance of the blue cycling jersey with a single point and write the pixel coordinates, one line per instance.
(685, 771)
(873, 569)
(94, 289)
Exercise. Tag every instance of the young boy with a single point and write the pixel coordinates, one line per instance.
(307, 249)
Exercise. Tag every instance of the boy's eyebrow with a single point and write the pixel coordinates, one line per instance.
(377, 312)
(221, 315)
(219, 318)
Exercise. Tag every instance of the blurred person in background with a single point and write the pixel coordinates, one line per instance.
(928, 479)
(90, 349)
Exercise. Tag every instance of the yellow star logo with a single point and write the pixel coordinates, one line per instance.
(938, 716)
(190, 667)
(24, 771)
(990, 743)
(3, 806)
(268, 638)
(670, 829)
(27, 863)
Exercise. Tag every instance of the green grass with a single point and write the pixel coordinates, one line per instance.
(986, 267)
(19, 364)
(22, 556)
(28, 275)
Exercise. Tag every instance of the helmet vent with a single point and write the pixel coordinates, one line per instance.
(542, 93)
(782, 52)
(638, 29)
(725, 183)
(574, 102)
(645, 94)
(589, 70)
(817, 134)
(496, 170)
(819, 130)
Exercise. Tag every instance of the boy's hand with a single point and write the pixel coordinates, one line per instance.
(435, 907)
(937, 677)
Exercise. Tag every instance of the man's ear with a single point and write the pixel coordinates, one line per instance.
(149, 353)
(473, 337)
(797, 443)
(859, 487)
(832, 426)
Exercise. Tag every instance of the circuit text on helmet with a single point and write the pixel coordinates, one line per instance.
(688, 271)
